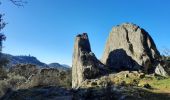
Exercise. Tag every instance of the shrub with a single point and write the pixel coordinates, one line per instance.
(4, 86)
(25, 70)
(15, 80)
(49, 77)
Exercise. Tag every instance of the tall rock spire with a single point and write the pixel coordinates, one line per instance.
(84, 65)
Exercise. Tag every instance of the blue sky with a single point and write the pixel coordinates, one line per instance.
(47, 28)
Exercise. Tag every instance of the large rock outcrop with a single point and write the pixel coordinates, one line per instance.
(130, 47)
(85, 64)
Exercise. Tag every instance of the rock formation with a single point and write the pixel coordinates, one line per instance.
(85, 64)
(130, 47)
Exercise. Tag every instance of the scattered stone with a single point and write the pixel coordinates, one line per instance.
(126, 75)
(147, 86)
(94, 83)
(123, 83)
(141, 75)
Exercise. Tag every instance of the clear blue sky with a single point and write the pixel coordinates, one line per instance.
(47, 28)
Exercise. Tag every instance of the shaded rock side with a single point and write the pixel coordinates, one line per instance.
(130, 47)
(85, 64)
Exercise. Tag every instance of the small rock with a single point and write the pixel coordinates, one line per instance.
(147, 86)
(126, 75)
(94, 83)
(123, 83)
(160, 70)
(142, 75)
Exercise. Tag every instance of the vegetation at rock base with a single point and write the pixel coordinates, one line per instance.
(29, 76)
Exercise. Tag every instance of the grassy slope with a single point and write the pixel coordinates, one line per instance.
(158, 85)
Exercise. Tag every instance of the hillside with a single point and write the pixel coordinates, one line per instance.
(59, 66)
(14, 60)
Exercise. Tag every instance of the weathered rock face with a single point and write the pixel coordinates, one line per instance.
(85, 64)
(130, 47)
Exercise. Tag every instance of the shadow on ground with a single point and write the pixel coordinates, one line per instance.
(109, 93)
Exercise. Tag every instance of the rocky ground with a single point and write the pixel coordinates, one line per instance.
(124, 85)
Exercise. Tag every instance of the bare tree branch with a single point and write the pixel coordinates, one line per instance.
(18, 2)
(2, 22)
(166, 52)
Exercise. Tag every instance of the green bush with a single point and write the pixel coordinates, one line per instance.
(4, 86)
